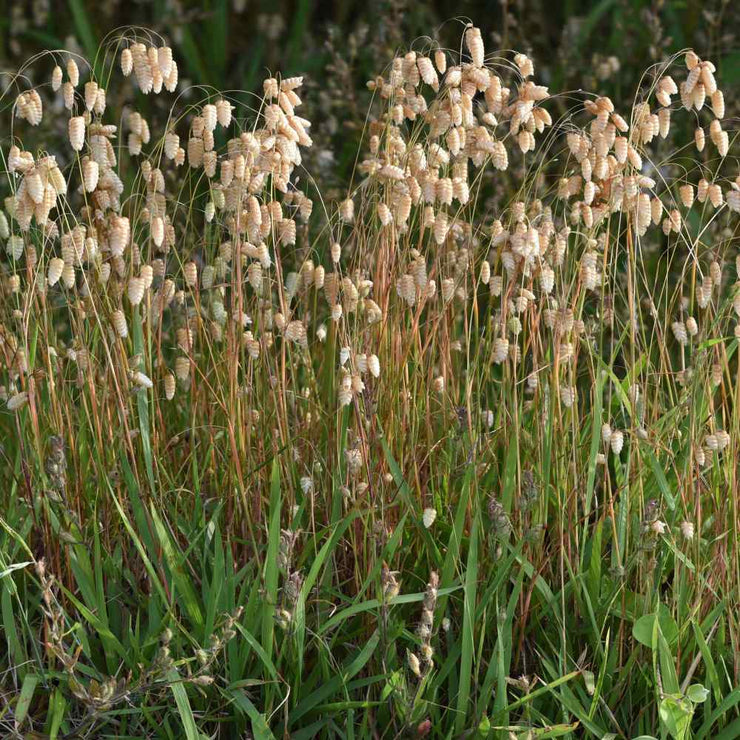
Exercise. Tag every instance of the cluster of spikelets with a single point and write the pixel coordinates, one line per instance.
(102, 243)
(240, 277)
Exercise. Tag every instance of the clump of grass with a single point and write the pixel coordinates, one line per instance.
(452, 454)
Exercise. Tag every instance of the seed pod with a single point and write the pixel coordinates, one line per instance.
(127, 62)
(182, 368)
(56, 78)
(157, 230)
(119, 234)
(73, 72)
(687, 195)
(254, 276)
(90, 174)
(319, 275)
(606, 433)
(14, 247)
(500, 350)
(664, 122)
(384, 214)
(617, 442)
(118, 319)
(34, 186)
(190, 273)
(143, 381)
(77, 132)
(499, 156)
(699, 139)
(441, 226)
(68, 276)
(547, 279)
(718, 104)
(474, 42)
(91, 94)
(715, 195)
(679, 331)
(170, 82)
(440, 61)
(347, 210)
(135, 290)
(426, 70)
(68, 94)
(56, 265)
(485, 272)
(223, 112)
(210, 116)
(722, 143)
(17, 401)
(169, 386)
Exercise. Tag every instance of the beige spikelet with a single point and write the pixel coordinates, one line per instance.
(170, 384)
(73, 72)
(190, 273)
(118, 319)
(77, 132)
(56, 265)
(90, 174)
(56, 78)
(135, 290)
(474, 42)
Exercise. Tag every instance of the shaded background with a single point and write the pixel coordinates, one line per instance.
(600, 45)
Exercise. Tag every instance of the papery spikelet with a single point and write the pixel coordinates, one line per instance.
(384, 214)
(118, 319)
(699, 139)
(135, 290)
(119, 234)
(347, 210)
(91, 94)
(718, 104)
(679, 331)
(73, 72)
(68, 276)
(14, 247)
(17, 401)
(715, 195)
(440, 61)
(77, 132)
(617, 441)
(34, 186)
(56, 78)
(127, 62)
(295, 331)
(169, 386)
(157, 230)
(474, 42)
(500, 350)
(182, 368)
(68, 94)
(90, 174)
(223, 112)
(190, 273)
(406, 289)
(56, 265)
(142, 380)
